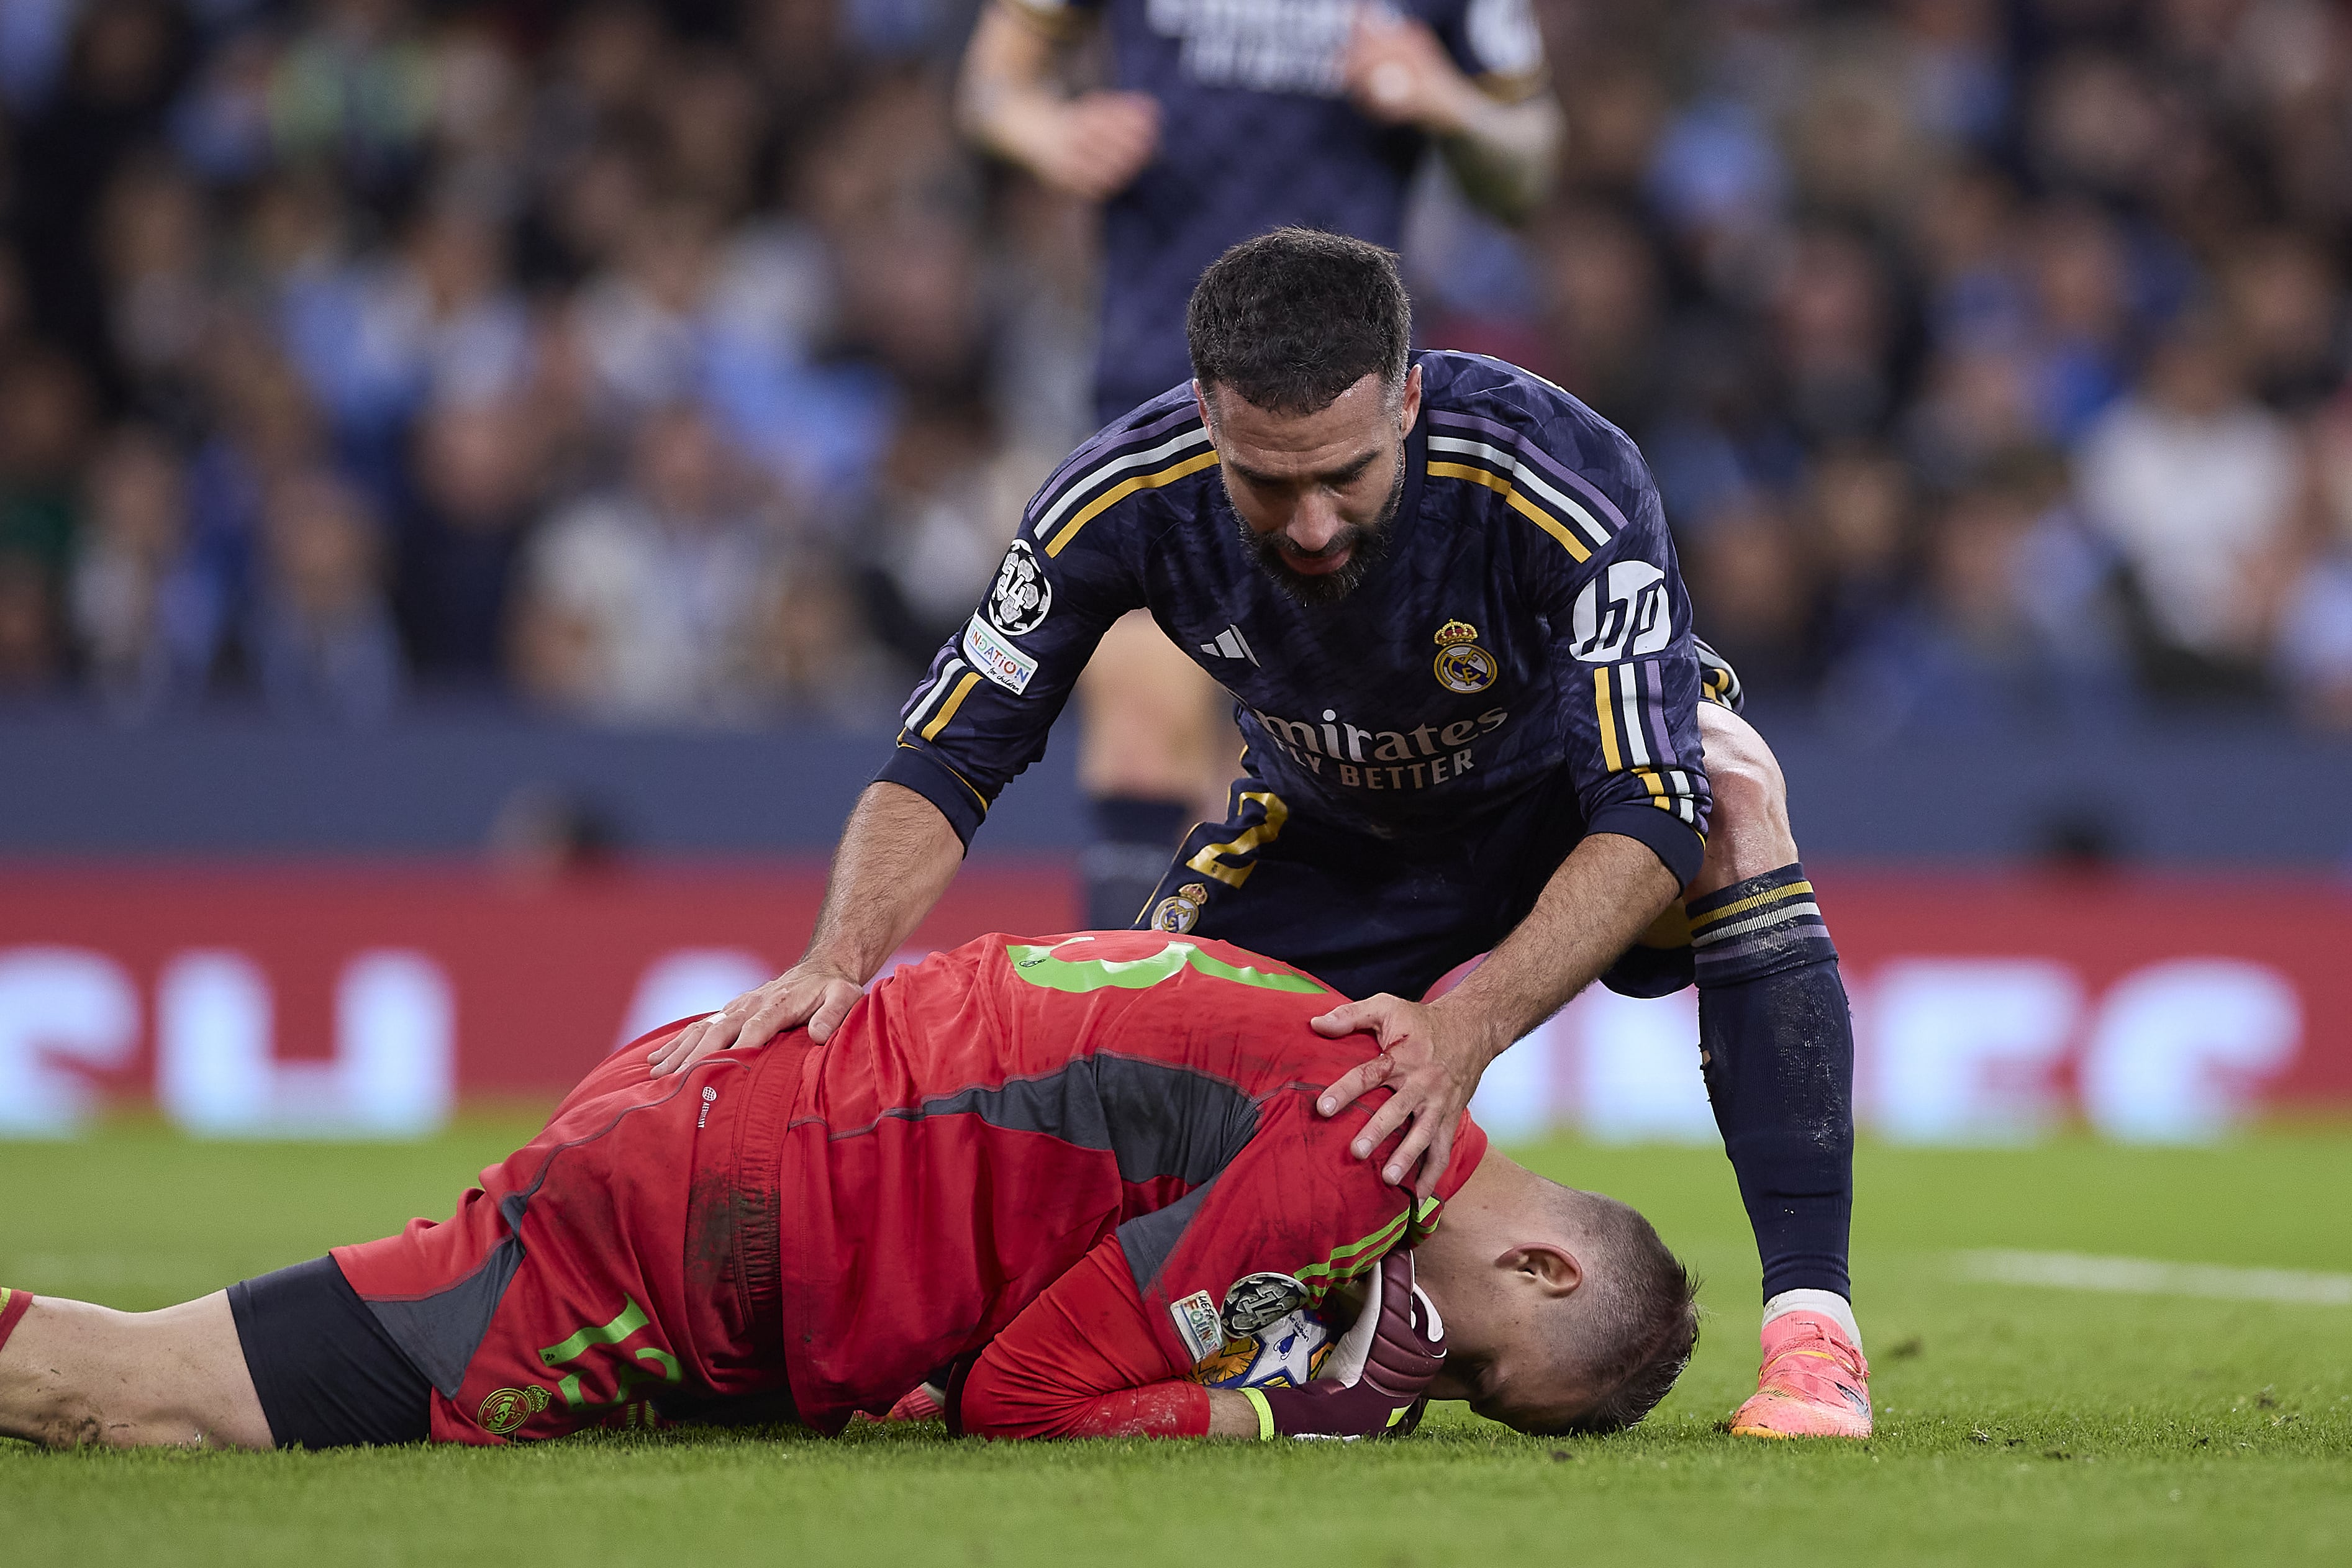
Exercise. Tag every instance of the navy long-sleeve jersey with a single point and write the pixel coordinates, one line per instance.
(1256, 131)
(1526, 617)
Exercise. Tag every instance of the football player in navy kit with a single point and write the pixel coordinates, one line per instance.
(1443, 597)
(1220, 121)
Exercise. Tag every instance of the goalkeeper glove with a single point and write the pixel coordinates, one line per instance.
(1376, 1382)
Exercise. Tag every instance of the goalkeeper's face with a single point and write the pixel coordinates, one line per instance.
(1513, 1272)
(1512, 1374)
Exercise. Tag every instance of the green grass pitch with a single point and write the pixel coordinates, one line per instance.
(2017, 1424)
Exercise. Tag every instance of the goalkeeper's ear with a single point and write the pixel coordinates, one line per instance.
(1546, 1267)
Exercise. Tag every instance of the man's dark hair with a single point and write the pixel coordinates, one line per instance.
(1636, 1337)
(1293, 318)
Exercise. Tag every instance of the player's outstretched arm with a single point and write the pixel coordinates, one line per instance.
(1081, 1362)
(1432, 1054)
(1089, 146)
(1505, 154)
(897, 854)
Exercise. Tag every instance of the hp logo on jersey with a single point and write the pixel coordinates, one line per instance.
(1623, 614)
(1020, 596)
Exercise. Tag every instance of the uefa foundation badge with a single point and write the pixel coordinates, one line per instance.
(1461, 666)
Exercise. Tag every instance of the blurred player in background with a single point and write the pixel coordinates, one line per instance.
(1444, 595)
(1066, 1172)
(1223, 121)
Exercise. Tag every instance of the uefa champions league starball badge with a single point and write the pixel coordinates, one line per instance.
(1020, 598)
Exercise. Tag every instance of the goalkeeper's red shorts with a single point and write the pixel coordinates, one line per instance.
(619, 1270)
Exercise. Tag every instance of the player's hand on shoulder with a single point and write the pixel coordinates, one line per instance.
(1398, 73)
(1430, 1060)
(1098, 143)
(815, 994)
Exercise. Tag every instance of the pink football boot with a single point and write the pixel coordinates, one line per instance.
(1813, 1384)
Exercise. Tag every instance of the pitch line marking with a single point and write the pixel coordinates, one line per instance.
(2152, 1277)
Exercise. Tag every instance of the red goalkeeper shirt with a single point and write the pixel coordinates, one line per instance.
(1069, 1158)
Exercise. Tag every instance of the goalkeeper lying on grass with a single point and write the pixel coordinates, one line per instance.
(1052, 1178)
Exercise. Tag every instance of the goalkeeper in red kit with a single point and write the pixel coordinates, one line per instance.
(1051, 1176)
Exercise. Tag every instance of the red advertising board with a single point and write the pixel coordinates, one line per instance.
(366, 999)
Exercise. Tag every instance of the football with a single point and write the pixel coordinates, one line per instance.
(1284, 1353)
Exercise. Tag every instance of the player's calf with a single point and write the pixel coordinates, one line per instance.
(1777, 1049)
(73, 1375)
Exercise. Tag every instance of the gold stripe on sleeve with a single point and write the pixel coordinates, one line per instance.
(1608, 707)
(1122, 490)
(958, 777)
(947, 710)
(1519, 504)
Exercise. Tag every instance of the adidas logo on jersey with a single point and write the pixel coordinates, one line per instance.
(1230, 644)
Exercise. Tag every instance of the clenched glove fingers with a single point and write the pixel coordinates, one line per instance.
(1377, 1381)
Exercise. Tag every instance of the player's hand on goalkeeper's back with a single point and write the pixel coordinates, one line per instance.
(812, 993)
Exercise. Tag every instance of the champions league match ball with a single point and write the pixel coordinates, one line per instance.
(1284, 1353)
(1276, 1337)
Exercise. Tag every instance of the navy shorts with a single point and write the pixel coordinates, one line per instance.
(1365, 914)
(327, 1374)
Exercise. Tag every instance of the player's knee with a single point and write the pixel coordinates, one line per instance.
(69, 1420)
(1747, 832)
(56, 1411)
(1749, 790)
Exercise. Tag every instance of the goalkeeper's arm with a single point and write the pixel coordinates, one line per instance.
(1081, 1361)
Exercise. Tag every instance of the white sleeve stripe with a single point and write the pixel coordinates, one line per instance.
(1526, 479)
(1629, 709)
(914, 719)
(1085, 483)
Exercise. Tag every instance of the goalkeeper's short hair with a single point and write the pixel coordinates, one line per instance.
(1638, 1329)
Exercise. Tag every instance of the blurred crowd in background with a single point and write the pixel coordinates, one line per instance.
(678, 364)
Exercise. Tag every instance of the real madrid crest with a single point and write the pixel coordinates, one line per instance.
(1463, 665)
(1181, 910)
(508, 1408)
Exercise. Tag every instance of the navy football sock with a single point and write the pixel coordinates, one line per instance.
(1133, 842)
(1776, 1040)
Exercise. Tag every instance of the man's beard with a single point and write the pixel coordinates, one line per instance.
(1366, 545)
